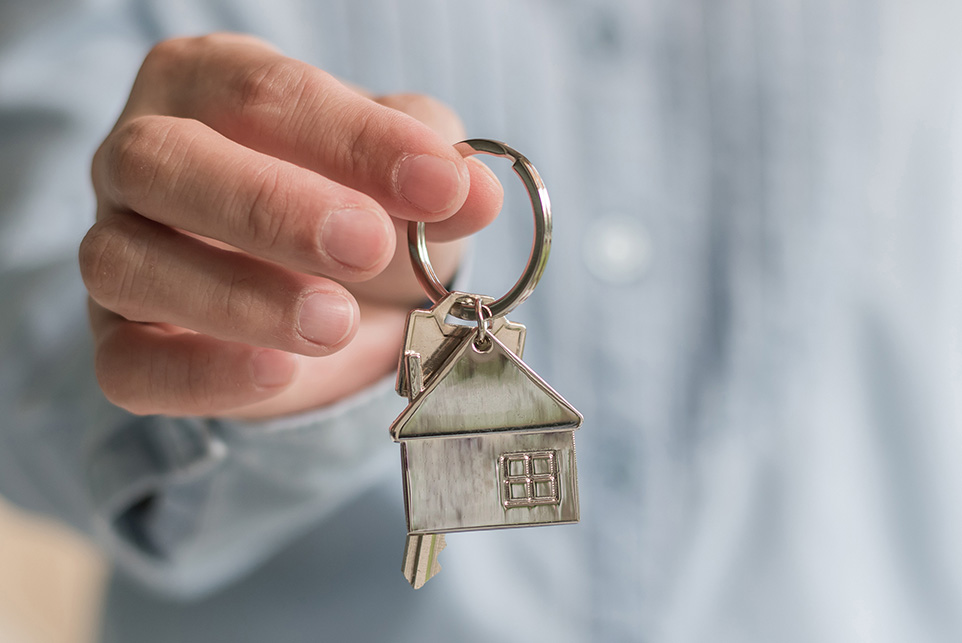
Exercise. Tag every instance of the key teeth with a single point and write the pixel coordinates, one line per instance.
(414, 376)
(421, 558)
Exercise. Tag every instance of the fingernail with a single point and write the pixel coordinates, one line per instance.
(355, 237)
(429, 182)
(273, 368)
(325, 318)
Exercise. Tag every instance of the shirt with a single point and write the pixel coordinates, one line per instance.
(752, 298)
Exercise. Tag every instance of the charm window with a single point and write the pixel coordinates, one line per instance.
(529, 479)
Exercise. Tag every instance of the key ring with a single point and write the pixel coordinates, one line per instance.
(537, 260)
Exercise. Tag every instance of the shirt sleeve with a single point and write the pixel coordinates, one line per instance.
(184, 505)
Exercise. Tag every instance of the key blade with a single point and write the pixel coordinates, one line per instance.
(413, 374)
(421, 558)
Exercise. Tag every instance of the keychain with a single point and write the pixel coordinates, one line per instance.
(485, 442)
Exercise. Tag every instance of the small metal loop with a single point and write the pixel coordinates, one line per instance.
(483, 314)
(541, 246)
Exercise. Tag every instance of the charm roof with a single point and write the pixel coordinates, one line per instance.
(484, 391)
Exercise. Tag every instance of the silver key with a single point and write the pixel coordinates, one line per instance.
(421, 558)
(429, 339)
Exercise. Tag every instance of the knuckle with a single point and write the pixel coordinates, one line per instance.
(170, 58)
(354, 154)
(168, 50)
(281, 96)
(269, 86)
(232, 300)
(111, 255)
(182, 60)
(267, 211)
(172, 49)
(103, 256)
(131, 157)
(163, 56)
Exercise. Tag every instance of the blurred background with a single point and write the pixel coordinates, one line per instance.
(51, 581)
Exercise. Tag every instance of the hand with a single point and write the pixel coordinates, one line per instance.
(237, 191)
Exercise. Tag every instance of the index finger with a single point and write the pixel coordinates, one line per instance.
(288, 109)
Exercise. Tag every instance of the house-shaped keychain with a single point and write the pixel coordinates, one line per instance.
(487, 444)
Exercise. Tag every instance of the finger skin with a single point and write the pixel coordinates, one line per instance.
(486, 195)
(148, 272)
(183, 174)
(190, 326)
(323, 380)
(157, 368)
(150, 368)
(480, 208)
(290, 110)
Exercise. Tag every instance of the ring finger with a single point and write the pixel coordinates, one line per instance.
(145, 271)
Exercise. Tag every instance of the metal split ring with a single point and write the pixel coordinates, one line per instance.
(537, 260)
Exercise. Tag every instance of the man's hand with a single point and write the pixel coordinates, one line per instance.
(236, 187)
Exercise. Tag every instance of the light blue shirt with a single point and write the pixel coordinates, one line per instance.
(753, 297)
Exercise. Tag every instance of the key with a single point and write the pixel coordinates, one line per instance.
(429, 338)
(421, 558)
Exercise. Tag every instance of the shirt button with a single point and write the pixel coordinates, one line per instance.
(617, 249)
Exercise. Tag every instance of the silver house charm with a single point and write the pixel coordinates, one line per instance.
(485, 442)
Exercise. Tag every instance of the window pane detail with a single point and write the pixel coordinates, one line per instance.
(529, 479)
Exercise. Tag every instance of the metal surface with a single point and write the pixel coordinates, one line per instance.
(540, 248)
(429, 340)
(529, 479)
(458, 484)
(420, 562)
(483, 316)
(484, 391)
(485, 442)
